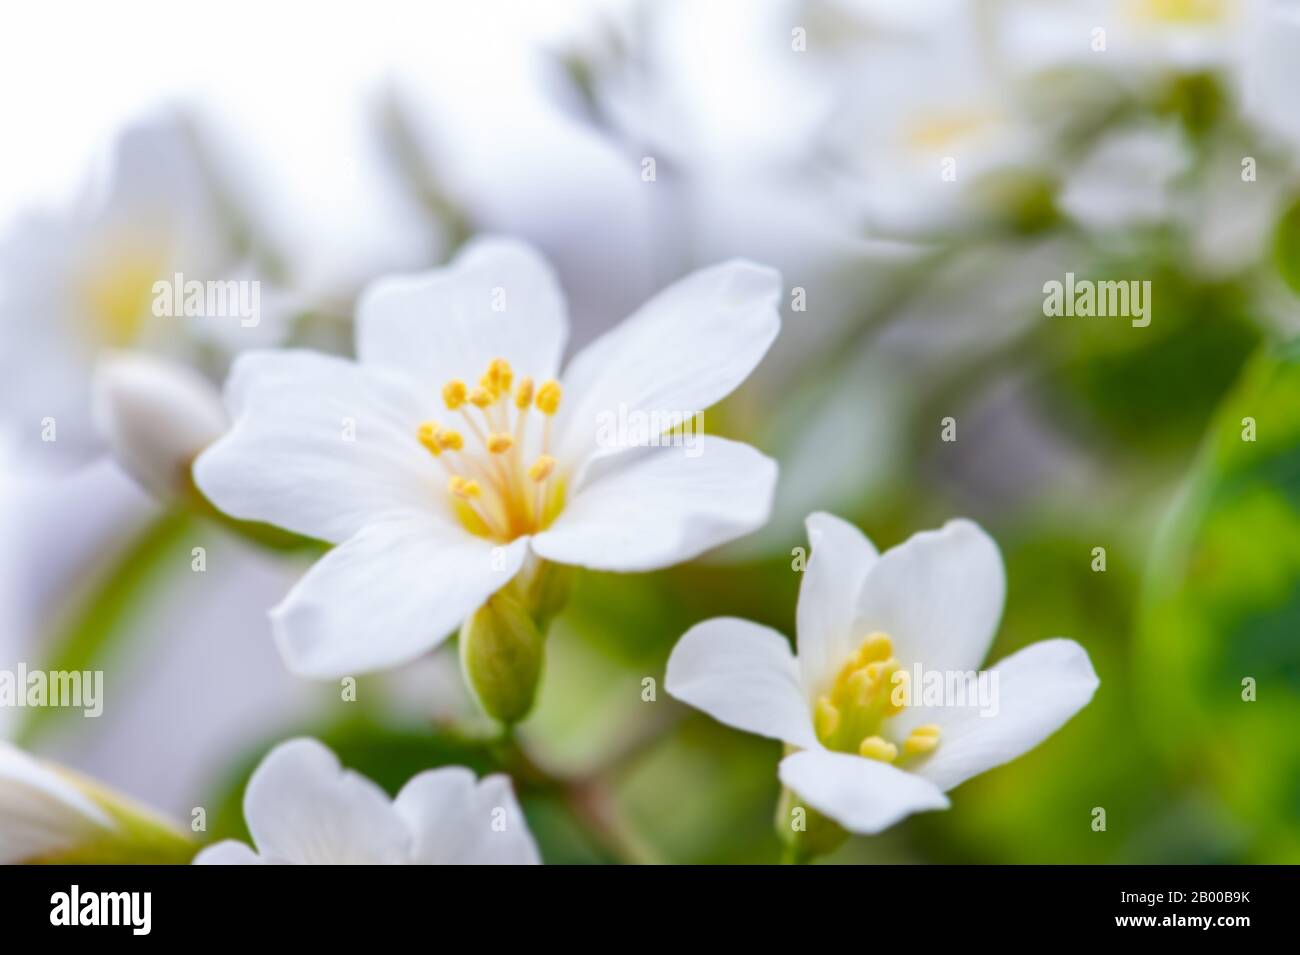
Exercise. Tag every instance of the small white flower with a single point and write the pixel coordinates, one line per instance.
(156, 416)
(449, 451)
(43, 814)
(864, 760)
(303, 808)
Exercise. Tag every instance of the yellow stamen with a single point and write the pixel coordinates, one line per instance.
(450, 440)
(428, 436)
(541, 469)
(851, 714)
(466, 490)
(524, 393)
(923, 740)
(826, 717)
(875, 747)
(500, 443)
(454, 393)
(498, 376)
(480, 397)
(548, 397)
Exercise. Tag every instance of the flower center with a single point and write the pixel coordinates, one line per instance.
(870, 688)
(117, 294)
(935, 131)
(493, 490)
(1188, 12)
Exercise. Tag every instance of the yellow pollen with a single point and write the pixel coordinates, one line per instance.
(524, 393)
(826, 718)
(454, 393)
(548, 396)
(923, 740)
(494, 492)
(428, 435)
(875, 747)
(466, 490)
(498, 376)
(1186, 12)
(541, 469)
(852, 715)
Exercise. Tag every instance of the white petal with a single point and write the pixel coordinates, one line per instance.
(394, 591)
(156, 416)
(303, 808)
(828, 597)
(744, 675)
(41, 811)
(319, 446)
(939, 596)
(499, 299)
(659, 506)
(864, 796)
(228, 852)
(457, 821)
(686, 349)
(1039, 688)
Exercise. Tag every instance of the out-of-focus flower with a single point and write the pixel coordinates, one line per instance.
(1130, 38)
(928, 127)
(86, 280)
(48, 814)
(155, 416)
(303, 808)
(433, 517)
(872, 746)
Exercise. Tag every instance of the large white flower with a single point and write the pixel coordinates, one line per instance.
(303, 808)
(865, 760)
(448, 452)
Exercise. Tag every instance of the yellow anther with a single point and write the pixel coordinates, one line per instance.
(480, 397)
(541, 469)
(524, 393)
(826, 718)
(428, 435)
(876, 747)
(499, 374)
(877, 646)
(923, 740)
(500, 443)
(454, 393)
(548, 396)
(466, 490)
(450, 440)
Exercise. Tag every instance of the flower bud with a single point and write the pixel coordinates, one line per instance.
(53, 815)
(501, 656)
(155, 416)
(804, 831)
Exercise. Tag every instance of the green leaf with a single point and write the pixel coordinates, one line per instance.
(1221, 606)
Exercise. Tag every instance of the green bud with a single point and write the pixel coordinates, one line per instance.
(804, 831)
(546, 587)
(501, 656)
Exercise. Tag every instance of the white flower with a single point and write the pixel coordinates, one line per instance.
(436, 484)
(42, 813)
(929, 120)
(156, 416)
(864, 760)
(303, 808)
(82, 280)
